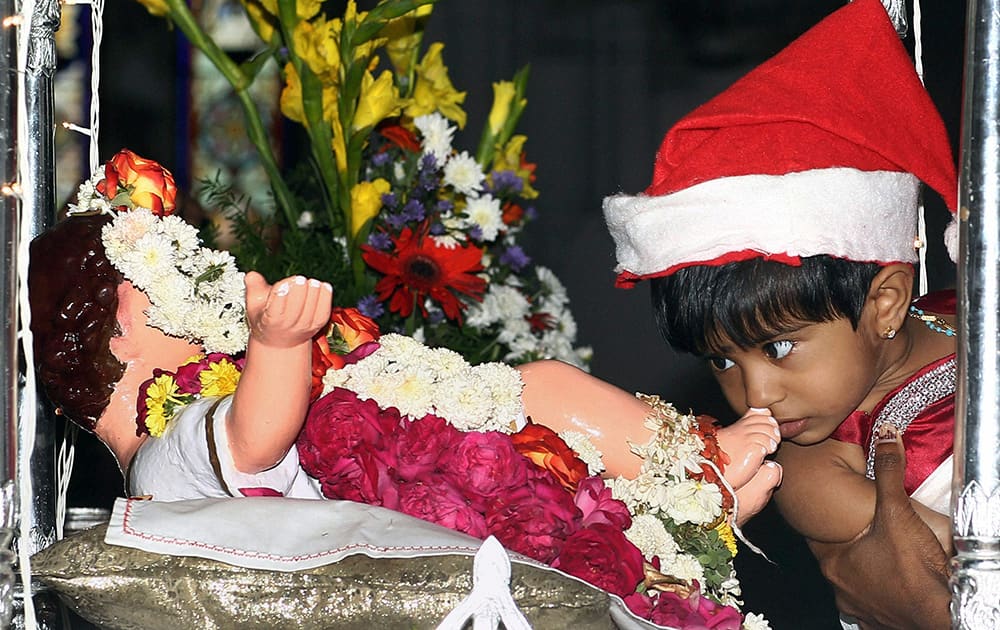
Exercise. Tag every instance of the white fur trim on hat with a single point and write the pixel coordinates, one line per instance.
(842, 212)
(951, 239)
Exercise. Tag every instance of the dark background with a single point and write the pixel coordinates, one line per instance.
(607, 80)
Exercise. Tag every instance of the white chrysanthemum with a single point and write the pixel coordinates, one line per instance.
(585, 450)
(499, 304)
(684, 567)
(652, 538)
(692, 501)
(753, 621)
(464, 174)
(486, 213)
(436, 134)
(551, 284)
(445, 240)
(305, 219)
(151, 258)
(516, 330)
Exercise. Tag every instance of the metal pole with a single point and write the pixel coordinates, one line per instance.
(8, 238)
(975, 497)
(40, 186)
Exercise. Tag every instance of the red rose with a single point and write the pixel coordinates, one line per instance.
(534, 518)
(343, 444)
(131, 181)
(400, 136)
(597, 504)
(485, 465)
(673, 610)
(548, 451)
(422, 446)
(439, 502)
(602, 556)
(346, 339)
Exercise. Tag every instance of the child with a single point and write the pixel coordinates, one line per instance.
(105, 287)
(779, 235)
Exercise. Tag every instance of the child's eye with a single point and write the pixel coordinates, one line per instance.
(721, 363)
(777, 349)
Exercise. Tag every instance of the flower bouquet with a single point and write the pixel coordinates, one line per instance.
(420, 430)
(416, 233)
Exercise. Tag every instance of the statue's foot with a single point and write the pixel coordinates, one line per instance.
(755, 494)
(747, 442)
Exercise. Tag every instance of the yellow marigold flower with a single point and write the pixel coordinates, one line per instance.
(219, 379)
(158, 8)
(508, 158)
(503, 96)
(727, 536)
(291, 96)
(160, 394)
(379, 100)
(433, 90)
(403, 36)
(366, 201)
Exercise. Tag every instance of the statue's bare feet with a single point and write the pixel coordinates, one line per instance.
(747, 442)
(755, 494)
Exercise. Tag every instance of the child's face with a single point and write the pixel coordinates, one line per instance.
(811, 378)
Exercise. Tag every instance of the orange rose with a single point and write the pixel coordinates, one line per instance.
(353, 327)
(131, 181)
(348, 329)
(547, 450)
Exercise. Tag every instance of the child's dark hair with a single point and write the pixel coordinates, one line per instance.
(746, 303)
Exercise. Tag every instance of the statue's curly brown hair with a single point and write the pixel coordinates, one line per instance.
(73, 291)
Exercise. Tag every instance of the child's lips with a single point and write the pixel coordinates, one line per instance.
(791, 428)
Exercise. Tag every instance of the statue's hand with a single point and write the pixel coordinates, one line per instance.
(287, 313)
(747, 442)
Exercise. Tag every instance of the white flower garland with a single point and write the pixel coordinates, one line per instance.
(419, 380)
(195, 293)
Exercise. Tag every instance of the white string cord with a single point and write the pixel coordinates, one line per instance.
(918, 60)
(64, 472)
(97, 34)
(25, 442)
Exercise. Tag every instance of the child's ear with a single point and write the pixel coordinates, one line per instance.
(890, 294)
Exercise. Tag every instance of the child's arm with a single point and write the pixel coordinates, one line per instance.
(272, 397)
(826, 497)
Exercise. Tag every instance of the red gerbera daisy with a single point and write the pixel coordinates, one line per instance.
(418, 268)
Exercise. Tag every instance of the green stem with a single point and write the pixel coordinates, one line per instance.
(185, 20)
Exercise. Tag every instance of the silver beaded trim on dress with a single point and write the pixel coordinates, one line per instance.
(911, 400)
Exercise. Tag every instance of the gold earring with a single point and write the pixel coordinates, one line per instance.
(889, 333)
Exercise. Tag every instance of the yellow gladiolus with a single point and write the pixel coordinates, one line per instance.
(379, 100)
(261, 17)
(503, 96)
(158, 8)
(318, 43)
(404, 35)
(291, 96)
(433, 90)
(306, 9)
(366, 201)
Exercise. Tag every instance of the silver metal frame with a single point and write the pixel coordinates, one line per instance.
(975, 495)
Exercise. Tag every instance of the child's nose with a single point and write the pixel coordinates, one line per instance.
(761, 387)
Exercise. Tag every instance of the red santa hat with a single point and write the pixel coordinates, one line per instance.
(817, 151)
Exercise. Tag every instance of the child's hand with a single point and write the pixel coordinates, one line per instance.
(287, 313)
(747, 442)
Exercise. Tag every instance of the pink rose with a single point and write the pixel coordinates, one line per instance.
(598, 506)
(485, 465)
(640, 604)
(602, 556)
(694, 611)
(439, 502)
(362, 478)
(187, 377)
(534, 518)
(422, 446)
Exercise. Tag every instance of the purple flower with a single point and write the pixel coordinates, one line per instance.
(389, 201)
(414, 211)
(380, 159)
(437, 229)
(396, 221)
(530, 213)
(445, 205)
(506, 182)
(515, 258)
(476, 233)
(371, 307)
(380, 241)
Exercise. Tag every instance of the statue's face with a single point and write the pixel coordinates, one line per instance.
(141, 343)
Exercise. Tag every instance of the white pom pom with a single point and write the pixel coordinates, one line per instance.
(951, 239)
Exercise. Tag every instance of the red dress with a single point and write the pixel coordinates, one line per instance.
(923, 408)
